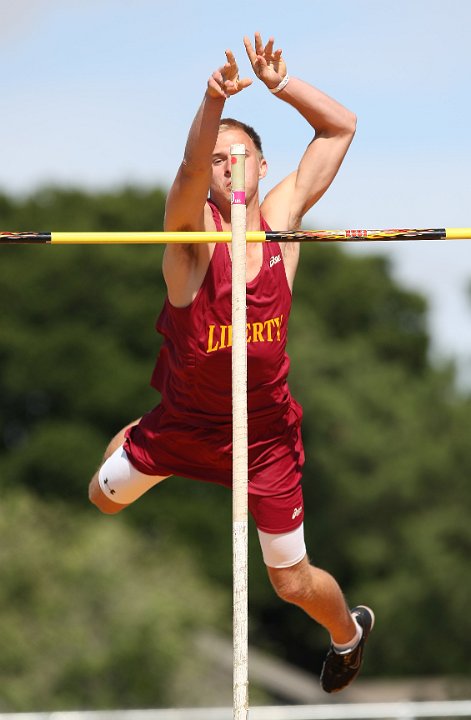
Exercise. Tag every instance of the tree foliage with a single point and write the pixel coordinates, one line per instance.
(386, 491)
(93, 613)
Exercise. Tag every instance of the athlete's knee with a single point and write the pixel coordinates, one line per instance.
(287, 564)
(291, 584)
(98, 498)
(118, 483)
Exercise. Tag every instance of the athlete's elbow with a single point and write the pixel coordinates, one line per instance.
(344, 126)
(342, 129)
(351, 123)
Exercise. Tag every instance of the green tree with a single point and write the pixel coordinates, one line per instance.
(93, 614)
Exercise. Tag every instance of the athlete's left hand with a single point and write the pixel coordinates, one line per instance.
(267, 64)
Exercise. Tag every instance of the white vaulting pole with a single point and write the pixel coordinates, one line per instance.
(239, 438)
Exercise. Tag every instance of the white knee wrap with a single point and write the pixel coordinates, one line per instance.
(283, 550)
(121, 482)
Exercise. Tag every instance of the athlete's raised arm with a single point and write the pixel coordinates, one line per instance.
(334, 128)
(184, 265)
(188, 194)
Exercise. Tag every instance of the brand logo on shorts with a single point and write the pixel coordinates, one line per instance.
(275, 259)
(106, 482)
(296, 512)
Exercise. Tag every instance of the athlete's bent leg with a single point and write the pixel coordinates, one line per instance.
(298, 582)
(117, 483)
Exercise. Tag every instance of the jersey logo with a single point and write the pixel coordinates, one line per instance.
(297, 512)
(275, 259)
(219, 337)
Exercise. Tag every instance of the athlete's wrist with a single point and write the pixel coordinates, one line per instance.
(281, 85)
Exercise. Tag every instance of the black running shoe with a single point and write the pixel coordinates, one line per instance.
(340, 669)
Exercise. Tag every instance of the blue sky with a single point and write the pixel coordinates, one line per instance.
(98, 93)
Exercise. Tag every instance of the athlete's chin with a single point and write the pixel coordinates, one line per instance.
(221, 198)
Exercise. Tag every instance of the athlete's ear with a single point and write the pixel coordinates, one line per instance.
(263, 169)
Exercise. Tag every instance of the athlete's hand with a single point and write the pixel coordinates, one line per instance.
(268, 65)
(226, 82)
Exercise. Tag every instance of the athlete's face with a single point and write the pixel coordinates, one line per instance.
(255, 166)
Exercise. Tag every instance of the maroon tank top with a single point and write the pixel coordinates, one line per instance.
(193, 370)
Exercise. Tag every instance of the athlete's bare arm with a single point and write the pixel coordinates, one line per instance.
(334, 127)
(184, 266)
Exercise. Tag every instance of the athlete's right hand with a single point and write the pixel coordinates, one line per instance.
(225, 81)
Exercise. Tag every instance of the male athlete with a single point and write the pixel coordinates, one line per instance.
(189, 433)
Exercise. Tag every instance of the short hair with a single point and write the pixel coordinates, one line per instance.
(227, 123)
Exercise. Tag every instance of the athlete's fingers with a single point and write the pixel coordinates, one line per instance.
(230, 58)
(244, 83)
(268, 50)
(216, 84)
(234, 87)
(250, 51)
(258, 44)
(231, 70)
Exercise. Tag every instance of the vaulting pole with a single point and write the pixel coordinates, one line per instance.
(239, 437)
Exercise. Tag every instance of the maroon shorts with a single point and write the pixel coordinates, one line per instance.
(162, 445)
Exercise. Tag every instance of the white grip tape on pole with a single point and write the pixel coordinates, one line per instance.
(239, 333)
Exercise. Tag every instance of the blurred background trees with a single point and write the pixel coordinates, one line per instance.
(98, 611)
